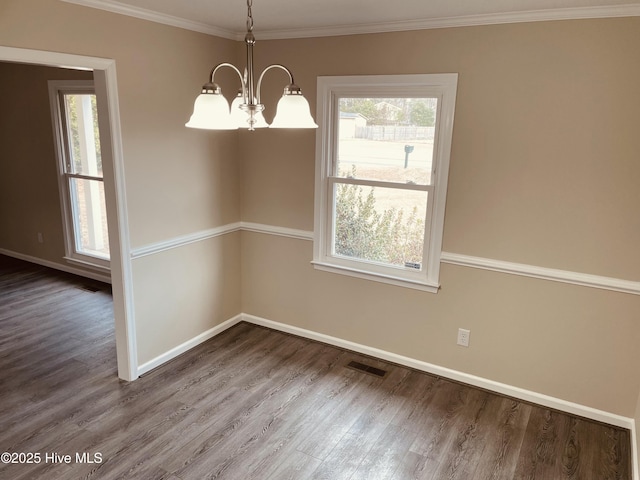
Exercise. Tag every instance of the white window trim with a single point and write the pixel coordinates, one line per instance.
(330, 89)
(71, 254)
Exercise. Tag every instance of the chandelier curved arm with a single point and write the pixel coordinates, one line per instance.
(275, 65)
(211, 110)
(230, 65)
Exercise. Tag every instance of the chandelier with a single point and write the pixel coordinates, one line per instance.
(211, 109)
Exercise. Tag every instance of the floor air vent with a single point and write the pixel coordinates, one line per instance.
(361, 367)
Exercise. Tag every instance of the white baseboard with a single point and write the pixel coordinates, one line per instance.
(511, 391)
(188, 345)
(497, 387)
(57, 266)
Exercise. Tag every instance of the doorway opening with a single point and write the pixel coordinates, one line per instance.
(106, 94)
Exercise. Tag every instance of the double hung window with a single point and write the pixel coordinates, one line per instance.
(382, 163)
(80, 173)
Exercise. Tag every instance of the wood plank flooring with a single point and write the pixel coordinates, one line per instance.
(253, 403)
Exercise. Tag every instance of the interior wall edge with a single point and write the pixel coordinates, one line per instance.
(188, 345)
(635, 467)
(104, 73)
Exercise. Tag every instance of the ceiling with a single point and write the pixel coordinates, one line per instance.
(307, 18)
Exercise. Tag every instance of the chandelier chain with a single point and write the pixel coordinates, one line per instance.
(249, 16)
(211, 110)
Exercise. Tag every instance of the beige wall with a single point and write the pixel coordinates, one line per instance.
(29, 198)
(160, 71)
(178, 181)
(200, 283)
(544, 143)
(544, 171)
(566, 341)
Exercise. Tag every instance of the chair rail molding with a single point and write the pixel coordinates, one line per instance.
(544, 273)
(500, 266)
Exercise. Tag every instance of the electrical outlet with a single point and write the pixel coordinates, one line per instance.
(40, 238)
(463, 337)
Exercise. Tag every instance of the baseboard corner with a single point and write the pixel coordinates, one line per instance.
(188, 345)
(462, 377)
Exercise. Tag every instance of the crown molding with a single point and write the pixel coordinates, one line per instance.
(460, 21)
(629, 10)
(149, 15)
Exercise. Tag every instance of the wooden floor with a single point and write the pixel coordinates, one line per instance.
(253, 403)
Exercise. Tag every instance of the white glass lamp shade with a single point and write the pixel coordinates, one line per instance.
(241, 118)
(211, 112)
(293, 112)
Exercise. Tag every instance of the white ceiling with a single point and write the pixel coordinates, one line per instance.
(306, 18)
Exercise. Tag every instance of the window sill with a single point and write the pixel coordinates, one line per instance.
(376, 277)
(88, 264)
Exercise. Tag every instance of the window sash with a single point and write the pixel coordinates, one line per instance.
(379, 183)
(90, 235)
(83, 177)
(69, 179)
(330, 91)
(69, 165)
(381, 268)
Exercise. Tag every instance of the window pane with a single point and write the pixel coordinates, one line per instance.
(383, 225)
(89, 217)
(84, 137)
(386, 139)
